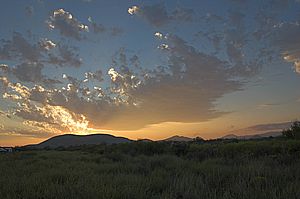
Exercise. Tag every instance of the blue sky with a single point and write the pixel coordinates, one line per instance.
(147, 69)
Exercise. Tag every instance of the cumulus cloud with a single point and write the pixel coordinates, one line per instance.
(97, 75)
(163, 46)
(158, 35)
(28, 72)
(4, 68)
(19, 49)
(34, 108)
(47, 44)
(97, 28)
(65, 56)
(157, 14)
(133, 10)
(183, 88)
(67, 25)
(51, 118)
(184, 91)
(154, 14)
(288, 42)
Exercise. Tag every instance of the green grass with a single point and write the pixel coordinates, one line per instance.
(246, 169)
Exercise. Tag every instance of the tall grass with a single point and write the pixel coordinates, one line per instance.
(243, 170)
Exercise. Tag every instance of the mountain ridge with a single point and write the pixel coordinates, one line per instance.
(68, 140)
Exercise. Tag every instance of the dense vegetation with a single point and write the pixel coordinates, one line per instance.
(293, 132)
(215, 169)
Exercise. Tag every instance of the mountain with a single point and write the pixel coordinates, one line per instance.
(68, 140)
(255, 136)
(178, 138)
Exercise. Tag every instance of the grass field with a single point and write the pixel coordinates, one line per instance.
(217, 169)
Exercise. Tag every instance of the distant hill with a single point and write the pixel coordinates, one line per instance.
(68, 140)
(178, 138)
(255, 136)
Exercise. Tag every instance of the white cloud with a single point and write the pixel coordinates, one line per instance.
(158, 35)
(113, 74)
(11, 96)
(133, 10)
(47, 44)
(288, 42)
(4, 68)
(163, 46)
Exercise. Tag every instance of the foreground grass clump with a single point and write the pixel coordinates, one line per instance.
(219, 169)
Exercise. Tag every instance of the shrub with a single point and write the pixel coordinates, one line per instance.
(293, 132)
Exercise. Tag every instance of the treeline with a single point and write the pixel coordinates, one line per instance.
(277, 148)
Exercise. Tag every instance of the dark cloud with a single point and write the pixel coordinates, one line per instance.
(97, 28)
(183, 14)
(31, 57)
(183, 91)
(67, 24)
(25, 72)
(29, 72)
(100, 28)
(44, 51)
(65, 56)
(116, 31)
(19, 47)
(157, 14)
(29, 10)
(129, 96)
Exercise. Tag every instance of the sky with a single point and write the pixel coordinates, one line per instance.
(147, 69)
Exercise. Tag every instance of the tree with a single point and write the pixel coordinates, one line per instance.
(293, 132)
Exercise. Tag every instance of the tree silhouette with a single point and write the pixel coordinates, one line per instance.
(293, 132)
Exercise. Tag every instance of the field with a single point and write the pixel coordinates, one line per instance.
(215, 169)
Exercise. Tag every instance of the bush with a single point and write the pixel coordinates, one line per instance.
(293, 132)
